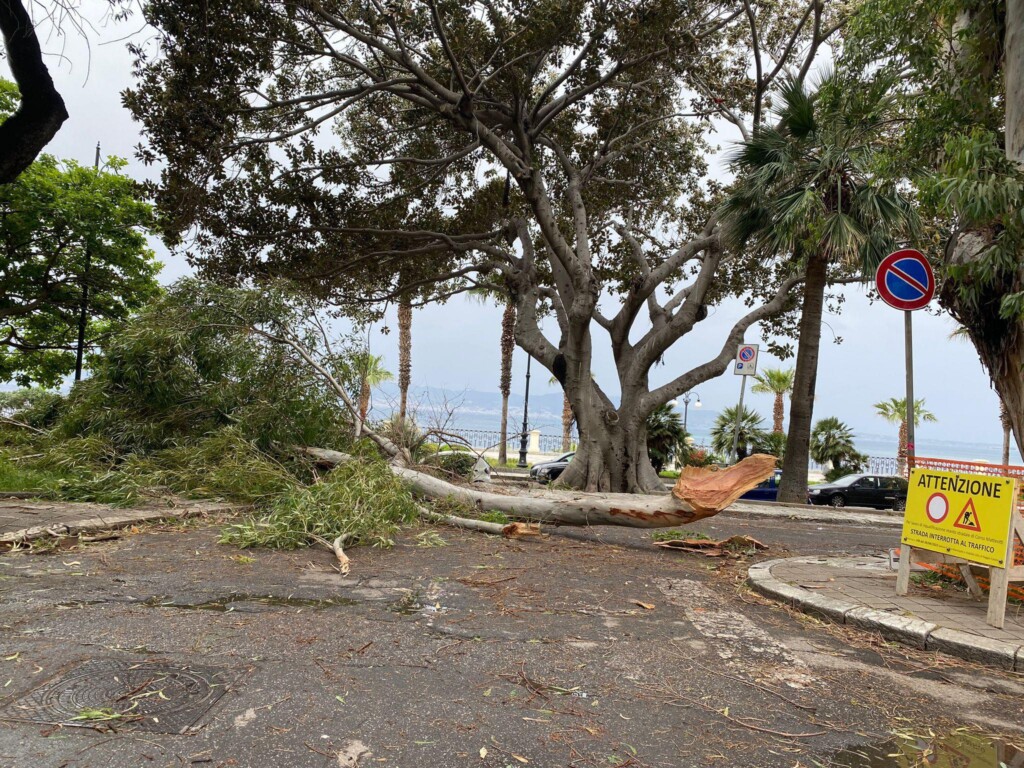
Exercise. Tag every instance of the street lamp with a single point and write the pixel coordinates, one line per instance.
(526, 404)
(686, 405)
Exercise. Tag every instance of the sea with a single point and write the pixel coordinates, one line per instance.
(475, 411)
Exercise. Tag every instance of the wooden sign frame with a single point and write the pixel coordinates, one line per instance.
(999, 578)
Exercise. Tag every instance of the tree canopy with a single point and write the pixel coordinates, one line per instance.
(555, 151)
(64, 226)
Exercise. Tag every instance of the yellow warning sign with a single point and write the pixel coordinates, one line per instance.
(966, 516)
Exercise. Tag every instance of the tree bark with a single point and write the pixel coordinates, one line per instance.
(1013, 67)
(779, 413)
(793, 487)
(404, 356)
(901, 449)
(1004, 421)
(508, 345)
(42, 112)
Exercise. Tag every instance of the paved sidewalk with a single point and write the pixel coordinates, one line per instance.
(24, 520)
(861, 591)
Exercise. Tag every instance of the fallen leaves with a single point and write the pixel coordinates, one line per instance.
(710, 548)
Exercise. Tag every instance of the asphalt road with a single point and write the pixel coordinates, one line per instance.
(585, 648)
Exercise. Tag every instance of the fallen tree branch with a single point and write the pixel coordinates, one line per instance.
(578, 508)
(508, 530)
(344, 564)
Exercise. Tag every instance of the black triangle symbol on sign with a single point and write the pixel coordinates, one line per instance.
(968, 518)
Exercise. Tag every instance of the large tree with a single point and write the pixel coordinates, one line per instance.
(559, 150)
(961, 70)
(809, 187)
(74, 240)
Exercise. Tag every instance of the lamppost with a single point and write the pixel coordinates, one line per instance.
(686, 405)
(526, 404)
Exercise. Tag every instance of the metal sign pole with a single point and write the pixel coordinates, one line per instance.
(909, 352)
(736, 428)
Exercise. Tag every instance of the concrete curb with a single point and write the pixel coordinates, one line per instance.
(904, 629)
(120, 519)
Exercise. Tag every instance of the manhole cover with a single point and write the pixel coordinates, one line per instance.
(144, 696)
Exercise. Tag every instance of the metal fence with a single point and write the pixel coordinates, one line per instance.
(877, 465)
(482, 439)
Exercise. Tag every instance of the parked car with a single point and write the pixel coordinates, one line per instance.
(766, 491)
(880, 491)
(546, 471)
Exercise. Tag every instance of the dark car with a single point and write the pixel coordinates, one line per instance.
(547, 471)
(766, 491)
(881, 491)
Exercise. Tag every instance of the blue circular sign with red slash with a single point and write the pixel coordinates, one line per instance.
(746, 354)
(905, 280)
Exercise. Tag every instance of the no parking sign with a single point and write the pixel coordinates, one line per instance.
(746, 360)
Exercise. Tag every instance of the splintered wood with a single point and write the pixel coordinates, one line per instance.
(709, 490)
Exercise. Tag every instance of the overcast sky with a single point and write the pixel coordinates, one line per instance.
(455, 346)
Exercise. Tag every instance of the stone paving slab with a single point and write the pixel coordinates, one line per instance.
(25, 520)
(861, 591)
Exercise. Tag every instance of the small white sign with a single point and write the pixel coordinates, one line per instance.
(746, 360)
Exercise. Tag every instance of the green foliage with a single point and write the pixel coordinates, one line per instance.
(666, 437)
(832, 442)
(362, 501)
(772, 443)
(187, 366)
(62, 226)
(458, 463)
(808, 184)
(894, 411)
(750, 431)
(699, 457)
(14, 476)
(493, 516)
(773, 381)
(220, 465)
(34, 406)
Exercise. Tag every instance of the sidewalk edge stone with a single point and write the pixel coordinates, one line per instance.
(905, 629)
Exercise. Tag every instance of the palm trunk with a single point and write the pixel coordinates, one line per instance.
(1004, 420)
(508, 345)
(364, 398)
(793, 487)
(901, 450)
(404, 357)
(779, 412)
(567, 419)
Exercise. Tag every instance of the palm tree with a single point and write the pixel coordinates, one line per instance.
(751, 430)
(508, 346)
(666, 437)
(404, 355)
(369, 372)
(568, 417)
(832, 442)
(806, 190)
(894, 410)
(778, 382)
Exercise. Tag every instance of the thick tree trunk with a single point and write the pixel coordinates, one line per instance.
(793, 487)
(364, 399)
(612, 451)
(404, 356)
(42, 112)
(779, 413)
(1013, 76)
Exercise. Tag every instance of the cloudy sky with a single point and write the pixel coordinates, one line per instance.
(456, 345)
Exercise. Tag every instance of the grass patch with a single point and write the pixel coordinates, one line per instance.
(14, 476)
(675, 534)
(493, 516)
(669, 474)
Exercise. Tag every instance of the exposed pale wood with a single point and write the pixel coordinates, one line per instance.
(997, 589)
(972, 583)
(907, 555)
